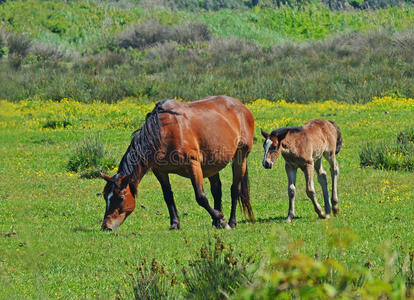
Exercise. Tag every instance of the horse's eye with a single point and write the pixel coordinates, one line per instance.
(122, 197)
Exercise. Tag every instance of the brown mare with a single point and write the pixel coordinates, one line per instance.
(303, 147)
(194, 140)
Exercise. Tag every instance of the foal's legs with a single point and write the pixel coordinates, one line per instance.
(215, 187)
(334, 173)
(239, 167)
(324, 184)
(310, 189)
(169, 199)
(197, 181)
(291, 173)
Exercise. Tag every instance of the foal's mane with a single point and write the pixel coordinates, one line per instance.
(144, 144)
(280, 133)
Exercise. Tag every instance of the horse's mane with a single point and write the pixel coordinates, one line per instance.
(281, 132)
(144, 144)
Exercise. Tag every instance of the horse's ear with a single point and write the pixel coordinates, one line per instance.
(106, 177)
(124, 181)
(265, 134)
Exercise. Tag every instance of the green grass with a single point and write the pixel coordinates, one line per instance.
(88, 27)
(58, 250)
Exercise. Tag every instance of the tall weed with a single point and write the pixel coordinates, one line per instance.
(390, 155)
(90, 158)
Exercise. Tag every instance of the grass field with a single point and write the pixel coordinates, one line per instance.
(51, 245)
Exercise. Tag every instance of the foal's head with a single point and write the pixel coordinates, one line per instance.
(120, 200)
(271, 146)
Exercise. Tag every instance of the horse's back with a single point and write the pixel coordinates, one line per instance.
(324, 133)
(213, 116)
(223, 105)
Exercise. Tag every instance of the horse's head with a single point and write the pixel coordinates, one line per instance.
(120, 200)
(271, 147)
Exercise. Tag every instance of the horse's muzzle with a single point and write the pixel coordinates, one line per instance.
(267, 164)
(105, 228)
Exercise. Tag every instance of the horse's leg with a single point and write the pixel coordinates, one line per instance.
(310, 189)
(324, 184)
(291, 173)
(334, 173)
(239, 168)
(215, 187)
(197, 181)
(169, 199)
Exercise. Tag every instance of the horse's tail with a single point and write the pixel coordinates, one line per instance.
(338, 137)
(244, 196)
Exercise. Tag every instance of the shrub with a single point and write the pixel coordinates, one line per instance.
(53, 124)
(300, 276)
(406, 137)
(217, 272)
(144, 35)
(152, 32)
(90, 158)
(2, 43)
(191, 32)
(18, 45)
(151, 282)
(393, 155)
(45, 52)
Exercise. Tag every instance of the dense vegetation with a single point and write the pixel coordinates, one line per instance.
(87, 50)
(395, 154)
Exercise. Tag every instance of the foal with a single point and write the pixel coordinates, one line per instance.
(303, 147)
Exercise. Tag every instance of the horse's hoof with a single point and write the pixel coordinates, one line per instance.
(221, 224)
(322, 215)
(288, 220)
(227, 226)
(232, 224)
(327, 216)
(335, 211)
(216, 223)
(175, 226)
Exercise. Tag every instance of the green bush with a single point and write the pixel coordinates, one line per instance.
(302, 277)
(90, 158)
(152, 32)
(390, 155)
(2, 44)
(53, 124)
(151, 282)
(217, 273)
(299, 276)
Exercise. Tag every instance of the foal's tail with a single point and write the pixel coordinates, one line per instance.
(244, 196)
(338, 137)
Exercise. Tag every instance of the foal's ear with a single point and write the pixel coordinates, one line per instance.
(106, 177)
(265, 134)
(124, 181)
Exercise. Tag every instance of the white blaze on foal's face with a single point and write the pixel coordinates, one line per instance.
(268, 145)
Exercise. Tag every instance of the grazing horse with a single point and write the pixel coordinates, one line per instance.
(303, 147)
(194, 140)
